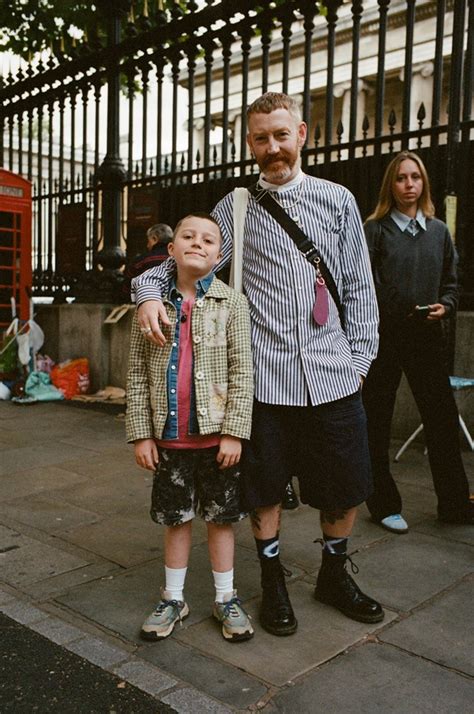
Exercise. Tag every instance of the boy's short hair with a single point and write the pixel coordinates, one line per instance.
(198, 214)
(270, 101)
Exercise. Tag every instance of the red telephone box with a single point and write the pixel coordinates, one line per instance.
(15, 245)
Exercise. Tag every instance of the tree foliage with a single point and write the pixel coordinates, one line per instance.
(30, 26)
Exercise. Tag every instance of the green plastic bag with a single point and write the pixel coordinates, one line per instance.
(8, 357)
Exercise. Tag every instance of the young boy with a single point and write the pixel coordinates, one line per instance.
(189, 406)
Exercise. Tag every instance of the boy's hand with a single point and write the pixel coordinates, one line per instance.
(229, 452)
(148, 314)
(146, 453)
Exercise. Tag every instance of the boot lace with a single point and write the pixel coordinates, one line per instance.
(346, 556)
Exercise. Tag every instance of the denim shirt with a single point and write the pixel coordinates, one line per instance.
(171, 427)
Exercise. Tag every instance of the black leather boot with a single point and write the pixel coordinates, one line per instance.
(335, 587)
(290, 499)
(276, 613)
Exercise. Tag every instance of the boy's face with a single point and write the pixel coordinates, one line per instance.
(196, 247)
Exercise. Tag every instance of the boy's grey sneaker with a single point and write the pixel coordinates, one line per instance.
(233, 618)
(161, 622)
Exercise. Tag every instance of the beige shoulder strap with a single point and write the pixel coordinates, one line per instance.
(241, 197)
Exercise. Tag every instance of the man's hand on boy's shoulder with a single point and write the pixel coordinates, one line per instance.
(146, 453)
(149, 314)
(230, 448)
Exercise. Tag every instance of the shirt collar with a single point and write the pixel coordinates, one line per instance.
(202, 286)
(403, 221)
(282, 187)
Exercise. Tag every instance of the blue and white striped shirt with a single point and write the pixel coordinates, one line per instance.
(297, 362)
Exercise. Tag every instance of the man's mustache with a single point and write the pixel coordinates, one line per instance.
(273, 159)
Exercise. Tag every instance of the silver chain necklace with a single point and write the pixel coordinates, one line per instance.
(289, 206)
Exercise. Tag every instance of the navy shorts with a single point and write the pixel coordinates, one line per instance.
(324, 446)
(189, 481)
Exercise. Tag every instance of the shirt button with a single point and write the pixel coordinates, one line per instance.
(203, 411)
(197, 339)
(173, 366)
(175, 344)
(172, 413)
(199, 375)
(179, 299)
(173, 391)
(199, 302)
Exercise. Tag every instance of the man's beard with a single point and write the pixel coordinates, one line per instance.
(286, 163)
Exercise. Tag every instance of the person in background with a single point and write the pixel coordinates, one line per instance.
(157, 239)
(414, 266)
(308, 417)
(189, 405)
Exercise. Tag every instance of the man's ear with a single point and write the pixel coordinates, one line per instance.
(302, 133)
(249, 144)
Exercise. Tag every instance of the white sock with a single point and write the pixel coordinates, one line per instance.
(224, 584)
(174, 579)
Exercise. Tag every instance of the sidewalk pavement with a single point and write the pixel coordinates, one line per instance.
(81, 564)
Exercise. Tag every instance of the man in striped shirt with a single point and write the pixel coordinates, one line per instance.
(308, 416)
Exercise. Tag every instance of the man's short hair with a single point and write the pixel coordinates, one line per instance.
(270, 101)
(162, 232)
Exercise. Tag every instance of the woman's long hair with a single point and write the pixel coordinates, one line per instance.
(386, 199)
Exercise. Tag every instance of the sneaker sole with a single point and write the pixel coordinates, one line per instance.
(153, 635)
(369, 619)
(241, 637)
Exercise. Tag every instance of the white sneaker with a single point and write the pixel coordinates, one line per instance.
(395, 523)
(161, 622)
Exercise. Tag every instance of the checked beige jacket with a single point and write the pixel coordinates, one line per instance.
(223, 369)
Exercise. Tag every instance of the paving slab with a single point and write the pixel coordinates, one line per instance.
(121, 602)
(57, 631)
(22, 483)
(110, 494)
(190, 701)
(23, 612)
(34, 456)
(376, 678)
(50, 515)
(424, 565)
(54, 586)
(221, 681)
(97, 651)
(323, 633)
(144, 676)
(35, 562)
(447, 531)
(123, 539)
(110, 462)
(441, 631)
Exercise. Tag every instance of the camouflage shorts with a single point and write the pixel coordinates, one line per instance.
(189, 481)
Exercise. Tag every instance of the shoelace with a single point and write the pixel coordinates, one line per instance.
(347, 556)
(161, 607)
(230, 607)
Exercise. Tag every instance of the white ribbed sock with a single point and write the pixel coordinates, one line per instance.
(174, 579)
(224, 584)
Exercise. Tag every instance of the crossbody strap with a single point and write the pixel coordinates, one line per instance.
(302, 242)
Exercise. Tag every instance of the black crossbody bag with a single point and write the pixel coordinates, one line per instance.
(302, 242)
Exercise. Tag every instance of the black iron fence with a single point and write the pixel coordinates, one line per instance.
(153, 125)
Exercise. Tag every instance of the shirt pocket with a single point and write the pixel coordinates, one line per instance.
(214, 326)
